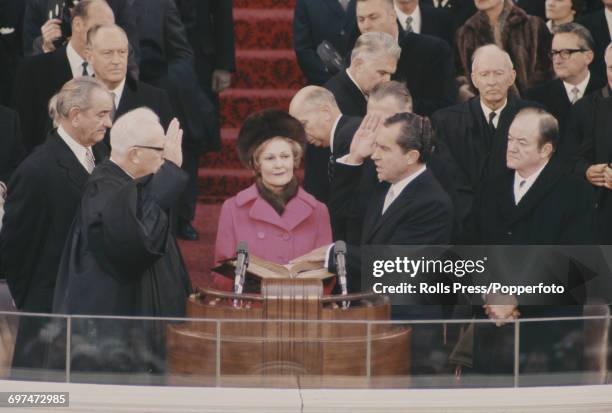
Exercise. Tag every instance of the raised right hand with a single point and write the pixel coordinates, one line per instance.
(362, 145)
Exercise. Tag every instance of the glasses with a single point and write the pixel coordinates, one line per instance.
(155, 148)
(564, 53)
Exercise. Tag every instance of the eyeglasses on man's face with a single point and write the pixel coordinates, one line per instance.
(565, 53)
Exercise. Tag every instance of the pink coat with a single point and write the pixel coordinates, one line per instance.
(303, 227)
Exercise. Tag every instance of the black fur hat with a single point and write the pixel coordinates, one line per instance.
(263, 125)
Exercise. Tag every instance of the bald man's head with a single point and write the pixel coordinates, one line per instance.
(137, 142)
(316, 108)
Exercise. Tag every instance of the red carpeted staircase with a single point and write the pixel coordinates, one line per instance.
(267, 76)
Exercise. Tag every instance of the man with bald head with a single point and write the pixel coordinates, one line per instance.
(425, 64)
(328, 132)
(475, 131)
(107, 54)
(40, 76)
(121, 257)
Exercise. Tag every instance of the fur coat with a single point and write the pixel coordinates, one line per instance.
(526, 38)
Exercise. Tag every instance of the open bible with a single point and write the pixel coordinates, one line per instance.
(260, 268)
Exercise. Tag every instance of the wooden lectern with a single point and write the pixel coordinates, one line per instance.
(268, 340)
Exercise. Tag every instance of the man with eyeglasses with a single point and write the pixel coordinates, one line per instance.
(121, 257)
(571, 54)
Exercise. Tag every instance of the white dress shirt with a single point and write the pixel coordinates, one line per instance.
(348, 73)
(522, 185)
(332, 133)
(397, 188)
(118, 92)
(486, 110)
(79, 150)
(76, 62)
(416, 18)
(580, 86)
(609, 20)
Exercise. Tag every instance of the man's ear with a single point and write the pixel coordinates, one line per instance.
(547, 149)
(73, 115)
(133, 156)
(413, 156)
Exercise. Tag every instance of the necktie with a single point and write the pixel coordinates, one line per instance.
(89, 161)
(330, 168)
(388, 199)
(575, 92)
(344, 4)
(409, 24)
(85, 64)
(492, 116)
(114, 96)
(521, 191)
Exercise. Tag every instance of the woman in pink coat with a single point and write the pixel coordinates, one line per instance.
(275, 216)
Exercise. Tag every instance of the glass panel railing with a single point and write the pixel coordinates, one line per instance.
(334, 352)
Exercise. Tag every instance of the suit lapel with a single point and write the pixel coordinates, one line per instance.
(68, 162)
(541, 187)
(373, 214)
(335, 7)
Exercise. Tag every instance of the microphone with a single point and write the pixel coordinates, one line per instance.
(242, 262)
(340, 253)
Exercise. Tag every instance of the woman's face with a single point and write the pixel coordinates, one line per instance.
(559, 9)
(276, 163)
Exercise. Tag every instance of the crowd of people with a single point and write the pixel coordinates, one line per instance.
(436, 122)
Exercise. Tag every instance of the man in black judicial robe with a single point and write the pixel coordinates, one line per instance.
(121, 257)
(476, 141)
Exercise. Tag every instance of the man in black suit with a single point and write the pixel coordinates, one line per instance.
(11, 28)
(475, 131)
(590, 130)
(107, 52)
(11, 149)
(328, 132)
(422, 18)
(536, 201)
(210, 31)
(43, 195)
(317, 21)
(167, 62)
(572, 52)
(425, 63)
(408, 205)
(599, 24)
(41, 76)
(373, 61)
(41, 33)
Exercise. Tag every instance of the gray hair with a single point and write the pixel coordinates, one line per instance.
(578, 30)
(375, 44)
(396, 90)
(76, 93)
(131, 129)
(491, 48)
(314, 96)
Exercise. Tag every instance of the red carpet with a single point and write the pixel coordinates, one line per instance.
(267, 76)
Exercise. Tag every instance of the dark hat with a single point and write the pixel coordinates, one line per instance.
(267, 124)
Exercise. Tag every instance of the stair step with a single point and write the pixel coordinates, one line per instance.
(263, 29)
(227, 157)
(237, 104)
(267, 69)
(265, 4)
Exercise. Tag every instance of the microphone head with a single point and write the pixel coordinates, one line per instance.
(242, 248)
(340, 247)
